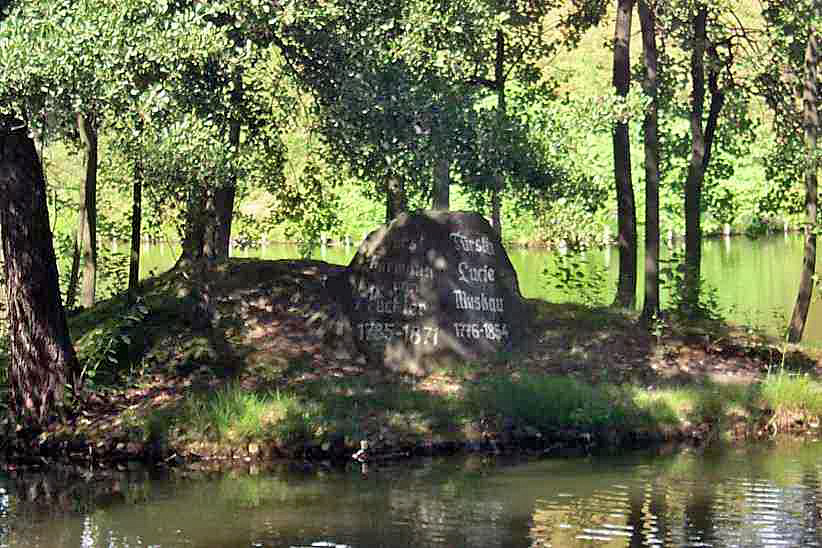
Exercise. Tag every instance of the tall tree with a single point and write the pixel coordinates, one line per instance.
(810, 118)
(647, 21)
(87, 229)
(626, 207)
(702, 142)
(43, 362)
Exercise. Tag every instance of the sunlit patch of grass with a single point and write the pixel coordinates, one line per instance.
(707, 402)
(235, 414)
(792, 398)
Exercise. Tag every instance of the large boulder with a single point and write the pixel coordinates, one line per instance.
(433, 285)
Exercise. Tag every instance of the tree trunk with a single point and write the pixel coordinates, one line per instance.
(442, 184)
(811, 122)
(696, 168)
(136, 228)
(396, 201)
(43, 361)
(88, 210)
(194, 229)
(499, 78)
(225, 195)
(224, 211)
(74, 275)
(626, 208)
(647, 20)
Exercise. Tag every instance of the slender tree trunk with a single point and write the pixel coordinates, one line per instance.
(210, 226)
(442, 183)
(74, 275)
(647, 20)
(810, 117)
(136, 227)
(43, 361)
(88, 211)
(396, 201)
(626, 208)
(225, 195)
(499, 78)
(696, 168)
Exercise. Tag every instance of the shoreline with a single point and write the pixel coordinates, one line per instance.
(269, 381)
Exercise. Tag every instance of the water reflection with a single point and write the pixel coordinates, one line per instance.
(748, 497)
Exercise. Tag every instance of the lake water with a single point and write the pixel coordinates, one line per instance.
(748, 497)
(754, 280)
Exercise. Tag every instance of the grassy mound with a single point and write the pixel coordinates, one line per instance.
(256, 358)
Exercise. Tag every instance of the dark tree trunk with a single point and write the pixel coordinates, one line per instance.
(696, 168)
(136, 228)
(195, 230)
(224, 211)
(209, 220)
(225, 195)
(810, 118)
(499, 78)
(88, 210)
(442, 184)
(43, 361)
(626, 208)
(647, 20)
(396, 201)
(74, 275)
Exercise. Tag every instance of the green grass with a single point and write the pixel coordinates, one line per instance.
(543, 403)
(550, 402)
(787, 393)
(234, 414)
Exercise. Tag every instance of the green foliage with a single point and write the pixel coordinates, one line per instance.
(672, 283)
(579, 279)
(107, 349)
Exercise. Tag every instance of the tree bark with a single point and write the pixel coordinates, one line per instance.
(696, 168)
(193, 230)
(810, 118)
(43, 361)
(88, 210)
(499, 78)
(225, 195)
(626, 208)
(647, 20)
(136, 228)
(74, 275)
(442, 184)
(396, 201)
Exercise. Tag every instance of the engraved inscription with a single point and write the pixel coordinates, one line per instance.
(481, 302)
(481, 244)
(384, 332)
(486, 330)
(434, 284)
(475, 274)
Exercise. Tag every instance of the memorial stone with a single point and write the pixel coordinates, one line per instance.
(431, 285)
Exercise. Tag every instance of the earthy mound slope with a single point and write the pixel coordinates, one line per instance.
(255, 358)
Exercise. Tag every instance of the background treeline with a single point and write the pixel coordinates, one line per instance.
(244, 121)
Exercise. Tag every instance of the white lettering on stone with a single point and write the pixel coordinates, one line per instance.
(385, 332)
(481, 302)
(486, 330)
(481, 244)
(475, 274)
